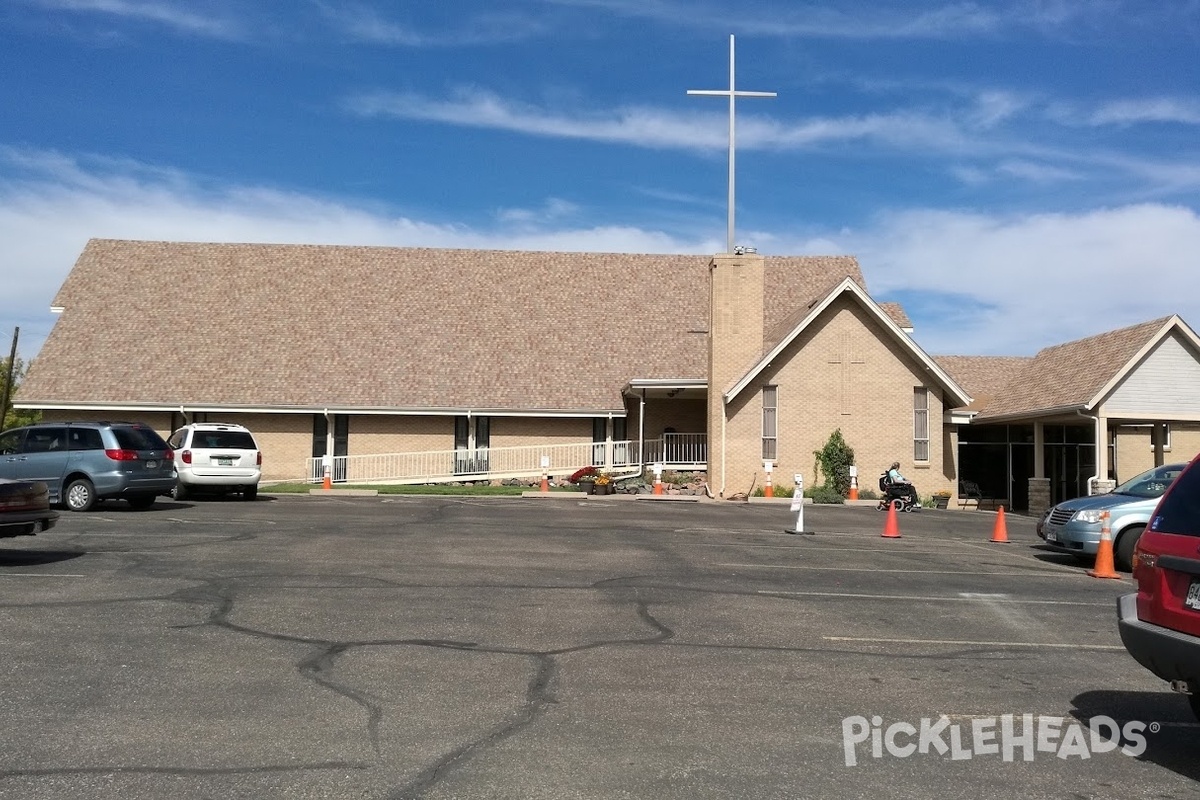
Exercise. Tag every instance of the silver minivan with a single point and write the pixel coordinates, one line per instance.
(1074, 526)
(83, 463)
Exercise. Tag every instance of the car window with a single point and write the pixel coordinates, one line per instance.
(176, 440)
(45, 440)
(1179, 510)
(226, 440)
(138, 438)
(10, 442)
(85, 439)
(1151, 483)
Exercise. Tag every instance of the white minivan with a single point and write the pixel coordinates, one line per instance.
(216, 457)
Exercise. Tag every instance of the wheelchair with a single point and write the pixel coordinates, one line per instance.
(901, 495)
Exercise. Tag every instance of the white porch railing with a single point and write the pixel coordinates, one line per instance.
(677, 451)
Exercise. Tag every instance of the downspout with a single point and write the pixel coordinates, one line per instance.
(724, 414)
(328, 434)
(1094, 481)
(642, 433)
(608, 442)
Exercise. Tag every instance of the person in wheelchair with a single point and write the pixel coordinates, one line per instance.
(897, 490)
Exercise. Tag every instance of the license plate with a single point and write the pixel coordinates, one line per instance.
(224, 462)
(151, 465)
(1193, 596)
(1051, 536)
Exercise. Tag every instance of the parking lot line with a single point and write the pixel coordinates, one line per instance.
(39, 575)
(807, 545)
(957, 598)
(1042, 573)
(1049, 645)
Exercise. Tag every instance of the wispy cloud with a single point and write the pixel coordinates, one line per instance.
(1151, 109)
(987, 137)
(553, 210)
(657, 128)
(184, 17)
(1038, 173)
(473, 108)
(863, 20)
(363, 23)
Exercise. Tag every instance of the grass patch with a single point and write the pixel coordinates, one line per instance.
(435, 489)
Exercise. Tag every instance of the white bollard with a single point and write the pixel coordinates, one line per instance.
(798, 506)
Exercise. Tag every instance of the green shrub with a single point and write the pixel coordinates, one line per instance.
(834, 461)
(825, 494)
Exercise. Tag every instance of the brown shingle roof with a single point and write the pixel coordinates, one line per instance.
(374, 327)
(983, 377)
(1070, 375)
(896, 312)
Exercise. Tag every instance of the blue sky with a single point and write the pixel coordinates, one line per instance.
(1017, 174)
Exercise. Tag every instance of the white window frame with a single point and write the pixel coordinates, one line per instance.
(770, 422)
(921, 424)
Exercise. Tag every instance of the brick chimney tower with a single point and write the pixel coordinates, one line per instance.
(735, 343)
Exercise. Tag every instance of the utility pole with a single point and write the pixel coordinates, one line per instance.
(12, 363)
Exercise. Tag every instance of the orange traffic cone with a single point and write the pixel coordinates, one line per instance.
(1104, 555)
(891, 528)
(1000, 530)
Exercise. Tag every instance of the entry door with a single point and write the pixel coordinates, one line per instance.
(472, 438)
(1069, 467)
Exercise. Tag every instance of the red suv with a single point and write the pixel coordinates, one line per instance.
(1160, 624)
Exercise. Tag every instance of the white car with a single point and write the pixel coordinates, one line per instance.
(216, 457)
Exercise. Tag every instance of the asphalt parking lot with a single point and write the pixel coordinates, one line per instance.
(403, 647)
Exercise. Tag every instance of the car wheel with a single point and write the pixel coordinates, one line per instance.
(1125, 545)
(180, 492)
(140, 501)
(250, 492)
(80, 495)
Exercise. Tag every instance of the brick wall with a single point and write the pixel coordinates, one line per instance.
(1135, 451)
(843, 373)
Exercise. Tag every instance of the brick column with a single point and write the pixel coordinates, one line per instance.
(735, 341)
(1039, 496)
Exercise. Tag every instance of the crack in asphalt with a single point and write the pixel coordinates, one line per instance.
(319, 665)
(538, 698)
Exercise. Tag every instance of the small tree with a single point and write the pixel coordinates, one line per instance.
(834, 460)
(12, 417)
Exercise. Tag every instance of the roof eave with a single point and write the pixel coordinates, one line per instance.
(958, 396)
(1031, 414)
(447, 411)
